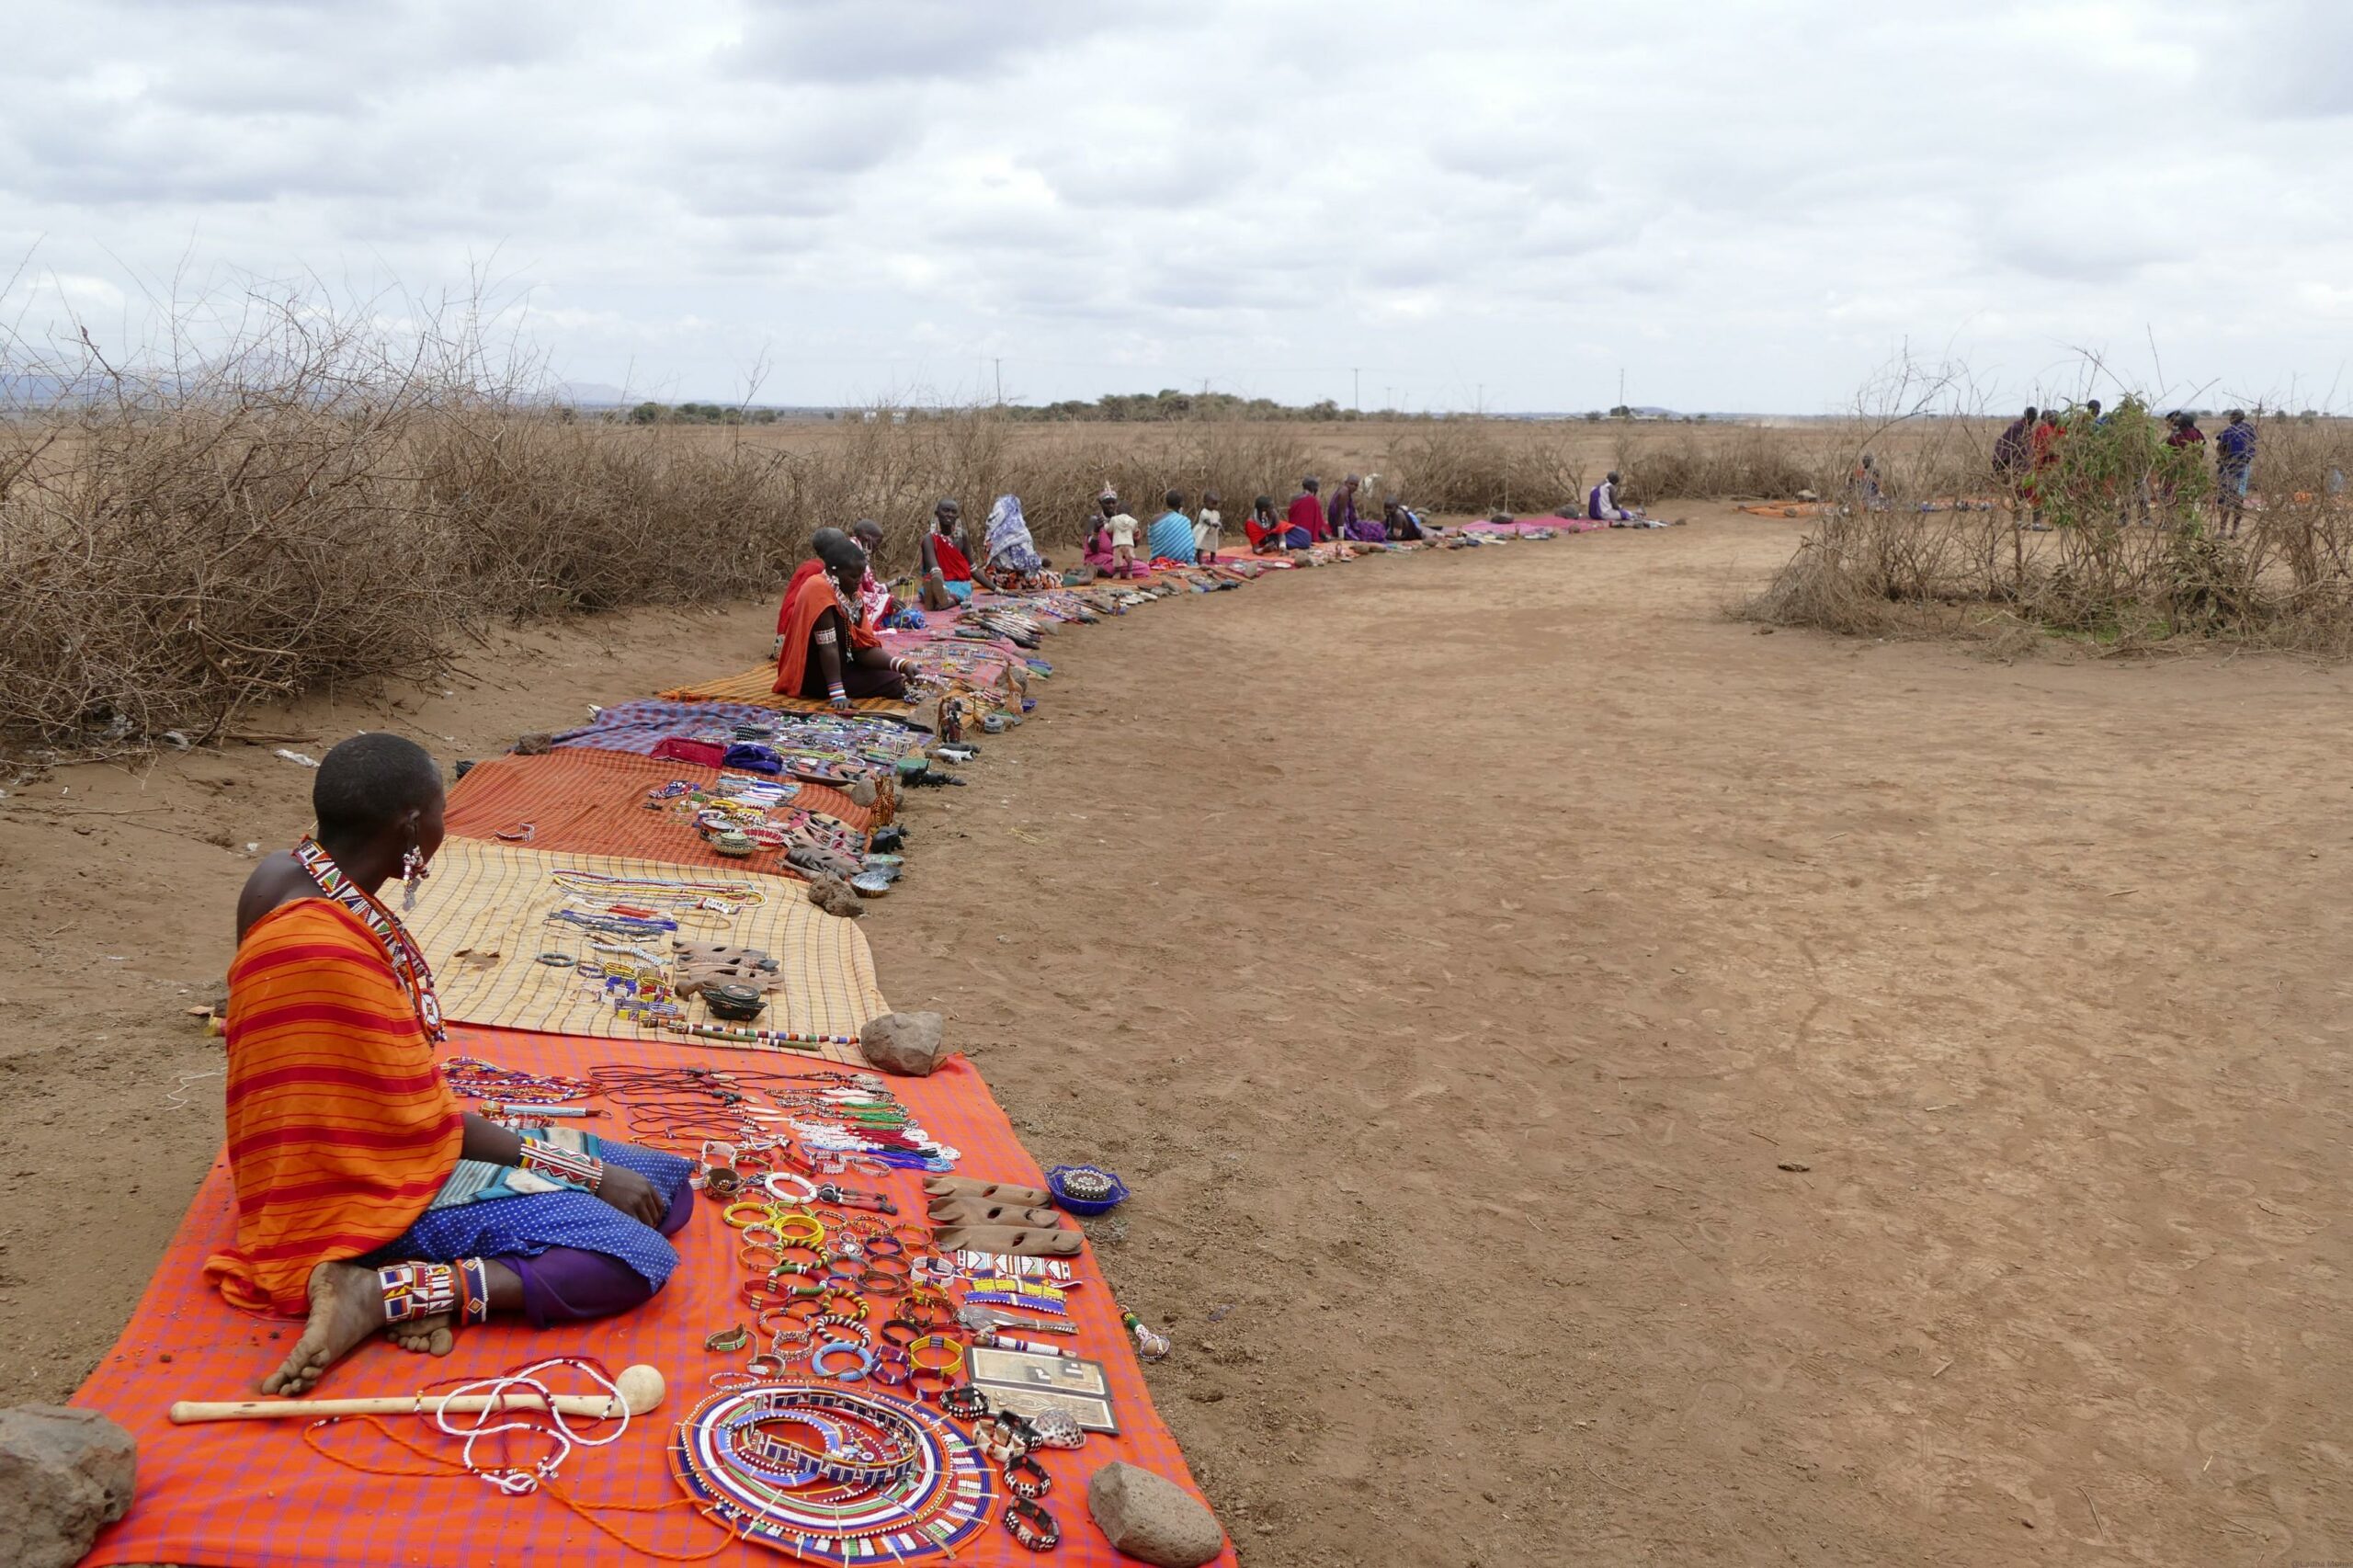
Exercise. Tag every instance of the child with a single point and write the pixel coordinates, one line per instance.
(1265, 529)
(1208, 529)
(1121, 527)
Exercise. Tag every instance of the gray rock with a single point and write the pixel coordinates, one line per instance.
(904, 1043)
(63, 1473)
(1152, 1518)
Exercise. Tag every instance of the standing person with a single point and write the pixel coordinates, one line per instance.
(2010, 446)
(1208, 529)
(1120, 528)
(367, 1199)
(2185, 452)
(1306, 514)
(2042, 458)
(2233, 470)
(1172, 532)
(947, 558)
(1602, 505)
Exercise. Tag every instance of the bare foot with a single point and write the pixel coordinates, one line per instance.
(431, 1335)
(347, 1306)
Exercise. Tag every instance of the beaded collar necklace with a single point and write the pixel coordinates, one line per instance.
(416, 976)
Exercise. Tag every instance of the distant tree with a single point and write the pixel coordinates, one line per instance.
(645, 413)
(1620, 411)
(1593, 417)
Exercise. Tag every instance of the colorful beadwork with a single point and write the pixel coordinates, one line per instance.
(885, 1479)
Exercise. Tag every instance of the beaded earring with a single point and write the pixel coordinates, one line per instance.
(412, 872)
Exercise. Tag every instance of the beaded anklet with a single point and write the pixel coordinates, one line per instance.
(417, 1289)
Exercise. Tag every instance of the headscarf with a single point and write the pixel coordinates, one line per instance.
(1009, 545)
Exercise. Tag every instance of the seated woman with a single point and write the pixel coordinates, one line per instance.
(1171, 537)
(1013, 559)
(828, 648)
(1271, 535)
(947, 558)
(874, 602)
(1401, 523)
(366, 1199)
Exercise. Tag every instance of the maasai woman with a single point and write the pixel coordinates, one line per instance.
(874, 605)
(1012, 558)
(947, 559)
(1270, 534)
(827, 649)
(366, 1199)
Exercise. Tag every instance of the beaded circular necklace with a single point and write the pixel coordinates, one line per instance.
(823, 1473)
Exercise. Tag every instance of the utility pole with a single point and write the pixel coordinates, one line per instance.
(1621, 390)
(1356, 396)
(1000, 382)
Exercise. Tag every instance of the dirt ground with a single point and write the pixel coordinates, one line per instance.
(1601, 1084)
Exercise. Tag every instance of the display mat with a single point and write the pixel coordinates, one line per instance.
(595, 802)
(753, 686)
(250, 1494)
(482, 920)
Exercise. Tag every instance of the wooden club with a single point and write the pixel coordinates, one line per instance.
(641, 1390)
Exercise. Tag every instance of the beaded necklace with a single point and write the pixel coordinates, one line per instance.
(409, 968)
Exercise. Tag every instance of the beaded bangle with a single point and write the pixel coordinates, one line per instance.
(802, 1310)
(831, 1328)
(891, 1367)
(583, 1171)
(844, 1268)
(908, 1333)
(897, 1248)
(745, 1213)
(874, 1282)
(923, 1381)
(774, 1254)
(808, 1261)
(847, 1302)
(827, 1352)
(1025, 1477)
(965, 1404)
(1031, 1525)
(728, 1339)
(474, 1289)
(937, 1343)
(801, 1229)
(764, 1366)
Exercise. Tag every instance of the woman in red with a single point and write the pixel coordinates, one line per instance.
(947, 559)
(1306, 515)
(825, 651)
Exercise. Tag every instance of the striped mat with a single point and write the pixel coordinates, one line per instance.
(481, 918)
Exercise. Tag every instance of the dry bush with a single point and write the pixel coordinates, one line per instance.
(1484, 465)
(175, 548)
(2129, 556)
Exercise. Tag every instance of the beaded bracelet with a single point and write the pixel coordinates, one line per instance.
(953, 1364)
(874, 1282)
(923, 1382)
(824, 1353)
(908, 1333)
(965, 1403)
(847, 1302)
(833, 1328)
(764, 1366)
(1027, 1478)
(583, 1171)
(1031, 1525)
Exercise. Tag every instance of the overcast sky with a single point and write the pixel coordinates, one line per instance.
(1743, 204)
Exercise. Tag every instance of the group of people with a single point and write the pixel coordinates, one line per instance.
(1311, 519)
(2029, 449)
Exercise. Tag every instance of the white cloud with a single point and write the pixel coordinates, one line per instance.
(1743, 206)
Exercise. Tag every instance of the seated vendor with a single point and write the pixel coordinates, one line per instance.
(1401, 522)
(829, 650)
(1270, 534)
(947, 558)
(367, 1199)
(874, 602)
(1013, 560)
(1171, 537)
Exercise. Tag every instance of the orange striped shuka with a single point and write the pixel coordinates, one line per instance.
(805, 604)
(341, 1128)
